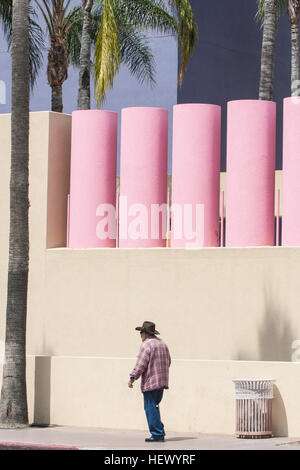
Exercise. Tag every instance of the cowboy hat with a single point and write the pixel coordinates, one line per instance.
(148, 327)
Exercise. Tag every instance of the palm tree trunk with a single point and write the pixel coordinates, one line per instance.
(56, 98)
(295, 77)
(268, 52)
(13, 403)
(57, 69)
(84, 93)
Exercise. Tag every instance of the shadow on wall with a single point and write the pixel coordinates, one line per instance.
(275, 338)
(276, 334)
(279, 419)
(42, 390)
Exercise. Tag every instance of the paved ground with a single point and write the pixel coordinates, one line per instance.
(69, 438)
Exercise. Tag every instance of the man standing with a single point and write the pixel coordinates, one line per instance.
(152, 364)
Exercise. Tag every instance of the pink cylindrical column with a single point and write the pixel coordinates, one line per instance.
(93, 179)
(291, 173)
(143, 178)
(251, 136)
(196, 175)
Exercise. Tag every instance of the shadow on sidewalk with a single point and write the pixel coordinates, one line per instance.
(180, 439)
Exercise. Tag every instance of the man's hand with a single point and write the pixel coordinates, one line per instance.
(130, 384)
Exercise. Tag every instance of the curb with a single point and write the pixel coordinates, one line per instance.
(27, 446)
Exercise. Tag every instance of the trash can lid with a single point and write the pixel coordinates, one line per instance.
(253, 380)
(246, 389)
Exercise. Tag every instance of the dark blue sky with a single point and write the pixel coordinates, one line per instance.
(226, 63)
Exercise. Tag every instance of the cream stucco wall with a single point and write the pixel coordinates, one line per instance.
(224, 312)
(92, 391)
(233, 304)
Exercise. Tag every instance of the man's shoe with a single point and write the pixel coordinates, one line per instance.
(153, 439)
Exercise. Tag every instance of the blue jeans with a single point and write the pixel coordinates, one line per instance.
(151, 402)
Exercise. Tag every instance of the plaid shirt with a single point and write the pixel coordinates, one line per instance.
(152, 364)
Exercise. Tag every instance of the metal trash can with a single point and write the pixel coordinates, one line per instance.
(254, 408)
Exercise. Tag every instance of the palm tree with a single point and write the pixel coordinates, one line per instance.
(117, 27)
(268, 14)
(64, 37)
(85, 57)
(273, 12)
(293, 11)
(13, 402)
(187, 32)
(61, 23)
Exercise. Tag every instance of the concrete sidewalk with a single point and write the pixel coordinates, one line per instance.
(108, 439)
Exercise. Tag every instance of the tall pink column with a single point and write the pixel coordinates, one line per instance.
(196, 175)
(291, 172)
(93, 179)
(251, 136)
(143, 178)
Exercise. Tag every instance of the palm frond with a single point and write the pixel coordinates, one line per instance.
(6, 15)
(149, 15)
(135, 52)
(107, 51)
(36, 47)
(71, 18)
(114, 44)
(187, 32)
(48, 17)
(96, 18)
(73, 38)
